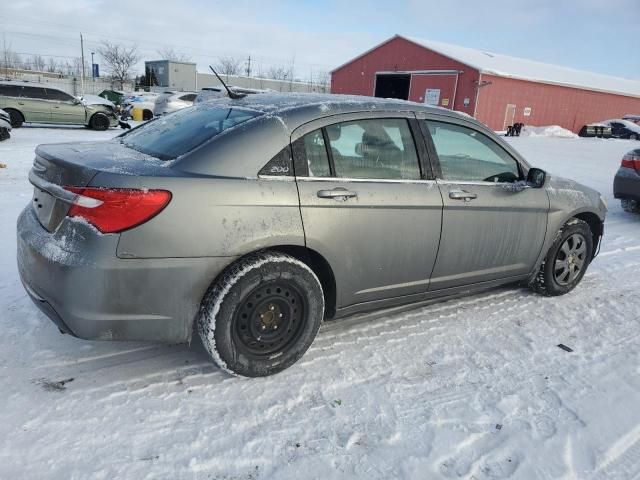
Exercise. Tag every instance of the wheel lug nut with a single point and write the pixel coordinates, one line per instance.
(280, 315)
(275, 327)
(263, 327)
(271, 307)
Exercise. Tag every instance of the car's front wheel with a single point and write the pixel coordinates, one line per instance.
(631, 206)
(566, 261)
(100, 121)
(15, 117)
(262, 315)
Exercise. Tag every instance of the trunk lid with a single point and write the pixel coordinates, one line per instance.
(76, 164)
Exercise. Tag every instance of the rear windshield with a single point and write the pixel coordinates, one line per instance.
(173, 135)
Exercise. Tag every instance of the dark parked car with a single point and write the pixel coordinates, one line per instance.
(599, 130)
(626, 184)
(624, 129)
(258, 218)
(5, 126)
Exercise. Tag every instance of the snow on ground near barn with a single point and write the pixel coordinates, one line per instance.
(469, 388)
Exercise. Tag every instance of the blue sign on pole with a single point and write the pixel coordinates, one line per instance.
(96, 70)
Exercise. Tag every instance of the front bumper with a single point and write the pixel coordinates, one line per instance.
(626, 184)
(75, 278)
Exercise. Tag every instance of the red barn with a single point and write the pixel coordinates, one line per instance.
(496, 89)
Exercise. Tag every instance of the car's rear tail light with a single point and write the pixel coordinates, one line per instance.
(112, 210)
(631, 160)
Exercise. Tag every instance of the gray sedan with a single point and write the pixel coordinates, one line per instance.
(253, 220)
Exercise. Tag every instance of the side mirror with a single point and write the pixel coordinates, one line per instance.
(536, 177)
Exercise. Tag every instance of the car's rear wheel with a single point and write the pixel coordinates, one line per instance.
(100, 121)
(566, 261)
(262, 315)
(15, 117)
(631, 206)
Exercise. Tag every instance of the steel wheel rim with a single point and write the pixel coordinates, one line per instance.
(570, 259)
(269, 319)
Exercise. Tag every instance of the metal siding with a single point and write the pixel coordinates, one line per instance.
(358, 76)
(571, 108)
(445, 83)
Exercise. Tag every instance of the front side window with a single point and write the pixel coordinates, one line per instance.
(59, 95)
(468, 155)
(376, 148)
(169, 137)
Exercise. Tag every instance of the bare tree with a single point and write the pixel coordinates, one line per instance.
(52, 66)
(119, 59)
(38, 63)
(279, 73)
(323, 80)
(169, 53)
(229, 66)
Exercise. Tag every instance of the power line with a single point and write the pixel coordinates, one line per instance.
(68, 40)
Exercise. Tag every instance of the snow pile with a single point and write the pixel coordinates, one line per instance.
(548, 131)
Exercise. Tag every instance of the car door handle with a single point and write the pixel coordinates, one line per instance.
(338, 193)
(462, 195)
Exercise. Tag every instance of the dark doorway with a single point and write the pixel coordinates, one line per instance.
(393, 86)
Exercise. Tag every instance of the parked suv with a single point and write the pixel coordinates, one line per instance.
(34, 103)
(258, 218)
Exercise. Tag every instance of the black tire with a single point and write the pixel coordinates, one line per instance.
(262, 315)
(552, 279)
(100, 122)
(4, 134)
(631, 206)
(16, 118)
(633, 136)
(147, 115)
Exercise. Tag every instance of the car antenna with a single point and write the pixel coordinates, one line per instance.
(232, 94)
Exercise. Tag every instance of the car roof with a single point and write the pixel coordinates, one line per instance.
(24, 83)
(316, 105)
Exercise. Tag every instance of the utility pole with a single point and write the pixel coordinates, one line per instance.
(93, 69)
(82, 57)
(6, 54)
(249, 66)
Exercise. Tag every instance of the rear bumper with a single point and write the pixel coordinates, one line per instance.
(626, 184)
(75, 278)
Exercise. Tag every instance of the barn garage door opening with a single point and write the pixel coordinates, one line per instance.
(392, 86)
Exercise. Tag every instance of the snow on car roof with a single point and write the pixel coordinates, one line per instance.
(629, 125)
(524, 69)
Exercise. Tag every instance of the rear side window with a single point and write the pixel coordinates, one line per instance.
(189, 97)
(467, 155)
(377, 149)
(169, 137)
(10, 90)
(34, 92)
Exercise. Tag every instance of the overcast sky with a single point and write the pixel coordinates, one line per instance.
(596, 35)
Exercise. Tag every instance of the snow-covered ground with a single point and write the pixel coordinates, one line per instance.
(470, 388)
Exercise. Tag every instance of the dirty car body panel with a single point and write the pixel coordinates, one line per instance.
(250, 187)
